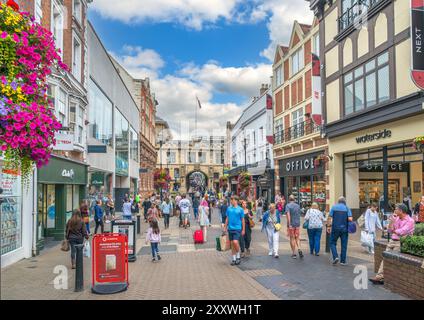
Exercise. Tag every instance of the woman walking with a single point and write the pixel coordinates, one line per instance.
(372, 222)
(153, 236)
(271, 225)
(75, 233)
(85, 214)
(203, 218)
(315, 219)
(98, 216)
(259, 209)
(247, 238)
(166, 210)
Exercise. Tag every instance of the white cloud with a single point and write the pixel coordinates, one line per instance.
(283, 14)
(177, 93)
(191, 13)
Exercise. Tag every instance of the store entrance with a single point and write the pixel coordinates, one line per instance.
(383, 176)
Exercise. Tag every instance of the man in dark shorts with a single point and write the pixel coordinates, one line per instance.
(293, 212)
(146, 206)
(235, 225)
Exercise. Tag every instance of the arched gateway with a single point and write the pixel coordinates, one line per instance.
(197, 181)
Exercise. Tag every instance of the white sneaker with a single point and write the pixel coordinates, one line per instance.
(270, 253)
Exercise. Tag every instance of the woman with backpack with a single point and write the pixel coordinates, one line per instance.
(75, 233)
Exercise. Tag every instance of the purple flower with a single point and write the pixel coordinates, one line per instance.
(14, 85)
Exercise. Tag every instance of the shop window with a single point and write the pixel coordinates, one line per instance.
(133, 145)
(122, 144)
(11, 213)
(100, 115)
(368, 85)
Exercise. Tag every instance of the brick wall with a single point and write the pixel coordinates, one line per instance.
(404, 274)
(308, 57)
(308, 84)
(286, 70)
(300, 89)
(279, 102)
(286, 97)
(379, 248)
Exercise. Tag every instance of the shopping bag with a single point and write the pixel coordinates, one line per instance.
(87, 249)
(361, 221)
(65, 245)
(366, 239)
(225, 243)
(218, 244)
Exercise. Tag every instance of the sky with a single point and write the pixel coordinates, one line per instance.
(218, 50)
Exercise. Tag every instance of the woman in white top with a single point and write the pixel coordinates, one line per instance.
(315, 220)
(203, 218)
(372, 221)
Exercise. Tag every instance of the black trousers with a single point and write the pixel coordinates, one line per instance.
(99, 223)
(245, 240)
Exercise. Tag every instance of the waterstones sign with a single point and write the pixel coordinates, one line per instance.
(382, 134)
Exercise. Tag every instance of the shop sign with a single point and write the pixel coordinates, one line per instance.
(96, 149)
(303, 165)
(64, 142)
(68, 174)
(97, 178)
(378, 167)
(109, 263)
(382, 134)
(417, 37)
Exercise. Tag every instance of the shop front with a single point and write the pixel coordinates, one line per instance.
(378, 166)
(16, 203)
(61, 189)
(304, 179)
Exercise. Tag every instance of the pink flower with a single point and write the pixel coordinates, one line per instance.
(3, 35)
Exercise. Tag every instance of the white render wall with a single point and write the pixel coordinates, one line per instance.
(249, 125)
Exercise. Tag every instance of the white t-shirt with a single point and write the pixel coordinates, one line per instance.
(126, 209)
(185, 206)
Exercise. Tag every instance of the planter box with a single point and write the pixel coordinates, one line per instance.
(379, 248)
(404, 274)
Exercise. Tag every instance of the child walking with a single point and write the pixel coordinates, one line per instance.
(153, 236)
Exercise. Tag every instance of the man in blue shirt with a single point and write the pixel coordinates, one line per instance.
(98, 216)
(340, 216)
(235, 225)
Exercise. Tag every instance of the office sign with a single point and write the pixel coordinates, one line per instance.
(302, 165)
(417, 41)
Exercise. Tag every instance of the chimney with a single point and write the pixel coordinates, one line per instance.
(264, 88)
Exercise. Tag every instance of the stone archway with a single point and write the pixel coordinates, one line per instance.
(197, 181)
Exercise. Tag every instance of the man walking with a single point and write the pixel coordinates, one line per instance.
(340, 216)
(185, 210)
(166, 210)
(196, 204)
(293, 212)
(235, 226)
(146, 206)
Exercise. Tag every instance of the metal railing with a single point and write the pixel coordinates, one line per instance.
(297, 131)
(356, 10)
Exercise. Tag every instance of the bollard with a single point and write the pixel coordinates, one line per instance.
(79, 272)
(327, 241)
(138, 224)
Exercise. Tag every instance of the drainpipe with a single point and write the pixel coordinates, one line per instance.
(34, 213)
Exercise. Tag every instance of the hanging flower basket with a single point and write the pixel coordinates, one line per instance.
(161, 179)
(322, 159)
(418, 144)
(27, 122)
(244, 180)
(223, 181)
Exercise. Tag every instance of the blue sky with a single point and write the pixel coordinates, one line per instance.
(219, 50)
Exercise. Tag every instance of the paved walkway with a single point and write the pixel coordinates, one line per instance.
(189, 271)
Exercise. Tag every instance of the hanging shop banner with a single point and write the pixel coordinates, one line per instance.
(316, 90)
(417, 40)
(269, 120)
(127, 228)
(109, 263)
(64, 142)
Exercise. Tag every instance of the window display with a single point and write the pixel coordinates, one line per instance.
(371, 191)
(10, 211)
(306, 191)
(319, 191)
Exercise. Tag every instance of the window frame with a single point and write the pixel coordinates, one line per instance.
(299, 54)
(363, 76)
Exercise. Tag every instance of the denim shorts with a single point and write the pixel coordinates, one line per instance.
(234, 235)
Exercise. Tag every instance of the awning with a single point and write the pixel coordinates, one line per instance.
(259, 169)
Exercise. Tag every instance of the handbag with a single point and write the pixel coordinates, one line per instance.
(366, 239)
(65, 246)
(306, 224)
(277, 226)
(251, 223)
(225, 243)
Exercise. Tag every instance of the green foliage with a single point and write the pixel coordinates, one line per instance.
(413, 245)
(419, 229)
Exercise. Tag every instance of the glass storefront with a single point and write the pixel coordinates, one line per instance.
(122, 144)
(10, 211)
(365, 169)
(304, 180)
